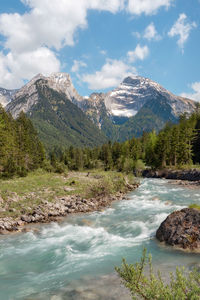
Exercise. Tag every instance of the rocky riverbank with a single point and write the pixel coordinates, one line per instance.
(181, 229)
(62, 206)
(184, 176)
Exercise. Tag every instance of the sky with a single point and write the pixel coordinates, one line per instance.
(100, 42)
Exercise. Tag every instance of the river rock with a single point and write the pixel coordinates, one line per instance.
(181, 229)
(190, 174)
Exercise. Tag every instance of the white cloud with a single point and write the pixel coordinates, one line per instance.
(51, 24)
(47, 25)
(136, 34)
(103, 52)
(151, 33)
(114, 71)
(139, 53)
(110, 75)
(77, 64)
(148, 7)
(16, 67)
(195, 95)
(182, 29)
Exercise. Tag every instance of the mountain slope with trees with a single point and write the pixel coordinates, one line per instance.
(58, 121)
(62, 116)
(20, 148)
(175, 145)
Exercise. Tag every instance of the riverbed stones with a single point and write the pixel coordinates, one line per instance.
(181, 229)
(59, 207)
(186, 175)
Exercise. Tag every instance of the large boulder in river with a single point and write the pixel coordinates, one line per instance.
(181, 229)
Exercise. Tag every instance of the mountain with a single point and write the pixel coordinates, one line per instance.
(48, 102)
(6, 96)
(138, 104)
(127, 99)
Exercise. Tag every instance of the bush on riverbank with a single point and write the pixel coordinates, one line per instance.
(110, 183)
(182, 286)
(196, 206)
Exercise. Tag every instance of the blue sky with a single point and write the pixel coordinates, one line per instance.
(100, 42)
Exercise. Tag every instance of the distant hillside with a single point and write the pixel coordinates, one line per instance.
(65, 118)
(57, 119)
(154, 114)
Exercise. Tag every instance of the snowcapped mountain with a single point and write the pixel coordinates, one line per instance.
(138, 104)
(127, 99)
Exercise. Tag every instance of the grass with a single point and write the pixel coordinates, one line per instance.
(22, 195)
(196, 206)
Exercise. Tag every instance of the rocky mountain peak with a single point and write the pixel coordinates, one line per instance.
(27, 96)
(134, 91)
(61, 82)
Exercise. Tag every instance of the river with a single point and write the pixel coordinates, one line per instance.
(75, 259)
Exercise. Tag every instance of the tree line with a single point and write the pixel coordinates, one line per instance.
(20, 148)
(175, 145)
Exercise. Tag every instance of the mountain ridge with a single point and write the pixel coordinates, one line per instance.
(137, 104)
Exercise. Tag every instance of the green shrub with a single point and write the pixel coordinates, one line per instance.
(59, 168)
(103, 188)
(194, 206)
(139, 166)
(47, 166)
(182, 285)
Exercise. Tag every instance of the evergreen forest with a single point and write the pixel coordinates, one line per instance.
(21, 150)
(174, 146)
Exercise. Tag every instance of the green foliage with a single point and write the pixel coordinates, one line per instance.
(108, 183)
(148, 286)
(196, 206)
(152, 116)
(20, 148)
(61, 123)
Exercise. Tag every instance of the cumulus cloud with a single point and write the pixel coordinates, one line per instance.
(110, 75)
(139, 53)
(151, 33)
(32, 39)
(16, 67)
(50, 24)
(114, 71)
(77, 64)
(148, 7)
(181, 28)
(44, 28)
(195, 95)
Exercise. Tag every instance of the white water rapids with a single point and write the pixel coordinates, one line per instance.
(75, 259)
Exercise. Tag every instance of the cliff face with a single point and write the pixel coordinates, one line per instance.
(6, 96)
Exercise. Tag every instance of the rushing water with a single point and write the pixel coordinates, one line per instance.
(75, 259)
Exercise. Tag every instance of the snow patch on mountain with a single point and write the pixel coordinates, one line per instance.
(127, 99)
(6, 96)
